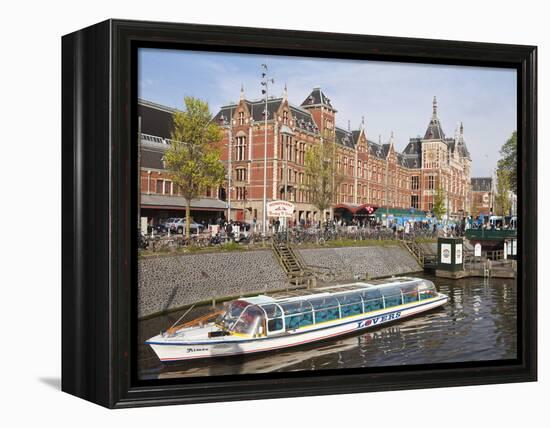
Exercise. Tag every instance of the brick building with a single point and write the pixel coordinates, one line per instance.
(160, 198)
(374, 174)
(483, 196)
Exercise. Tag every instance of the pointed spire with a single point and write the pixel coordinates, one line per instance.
(391, 138)
(461, 128)
(242, 92)
(380, 139)
(285, 93)
(434, 103)
(362, 123)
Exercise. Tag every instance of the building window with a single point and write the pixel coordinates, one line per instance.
(414, 201)
(160, 187)
(241, 118)
(285, 117)
(240, 193)
(431, 182)
(241, 174)
(415, 182)
(240, 148)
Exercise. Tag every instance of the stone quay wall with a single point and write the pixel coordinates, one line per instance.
(349, 263)
(172, 281)
(169, 282)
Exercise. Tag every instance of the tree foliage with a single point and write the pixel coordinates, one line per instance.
(322, 175)
(502, 197)
(508, 161)
(193, 158)
(439, 203)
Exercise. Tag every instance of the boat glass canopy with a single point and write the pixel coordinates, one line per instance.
(244, 317)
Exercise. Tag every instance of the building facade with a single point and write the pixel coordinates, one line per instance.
(374, 174)
(160, 198)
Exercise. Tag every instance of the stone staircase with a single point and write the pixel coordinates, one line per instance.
(297, 271)
(425, 259)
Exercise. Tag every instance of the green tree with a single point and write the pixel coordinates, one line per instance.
(509, 161)
(322, 175)
(502, 197)
(193, 158)
(439, 203)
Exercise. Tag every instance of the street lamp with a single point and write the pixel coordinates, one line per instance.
(265, 83)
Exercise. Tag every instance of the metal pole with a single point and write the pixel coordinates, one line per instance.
(387, 208)
(139, 177)
(264, 220)
(265, 82)
(229, 175)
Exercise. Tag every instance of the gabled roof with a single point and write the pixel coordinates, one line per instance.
(481, 184)
(344, 138)
(156, 119)
(376, 149)
(303, 118)
(317, 98)
(414, 147)
(256, 109)
(151, 157)
(434, 130)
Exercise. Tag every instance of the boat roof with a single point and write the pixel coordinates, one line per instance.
(302, 294)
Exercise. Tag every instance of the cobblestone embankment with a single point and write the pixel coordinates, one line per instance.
(350, 262)
(169, 282)
(172, 281)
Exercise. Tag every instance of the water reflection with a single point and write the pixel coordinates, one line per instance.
(478, 323)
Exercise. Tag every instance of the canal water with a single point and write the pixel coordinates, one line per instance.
(479, 323)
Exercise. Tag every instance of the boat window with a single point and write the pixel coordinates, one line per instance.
(272, 311)
(251, 321)
(373, 300)
(297, 314)
(410, 293)
(232, 313)
(275, 317)
(426, 290)
(392, 296)
(326, 309)
(275, 324)
(350, 304)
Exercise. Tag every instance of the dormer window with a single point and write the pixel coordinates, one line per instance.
(241, 118)
(285, 117)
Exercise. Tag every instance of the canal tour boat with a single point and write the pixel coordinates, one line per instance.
(264, 323)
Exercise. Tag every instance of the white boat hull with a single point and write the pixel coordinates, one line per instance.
(170, 349)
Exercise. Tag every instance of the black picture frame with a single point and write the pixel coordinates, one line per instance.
(99, 194)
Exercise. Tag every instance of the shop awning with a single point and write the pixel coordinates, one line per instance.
(179, 202)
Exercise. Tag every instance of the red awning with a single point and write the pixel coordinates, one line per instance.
(353, 208)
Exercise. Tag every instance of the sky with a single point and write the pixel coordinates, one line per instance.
(390, 96)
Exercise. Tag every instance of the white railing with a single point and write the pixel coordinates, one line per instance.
(154, 139)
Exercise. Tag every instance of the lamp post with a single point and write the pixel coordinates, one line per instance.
(265, 83)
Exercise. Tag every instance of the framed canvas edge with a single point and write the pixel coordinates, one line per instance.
(100, 304)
